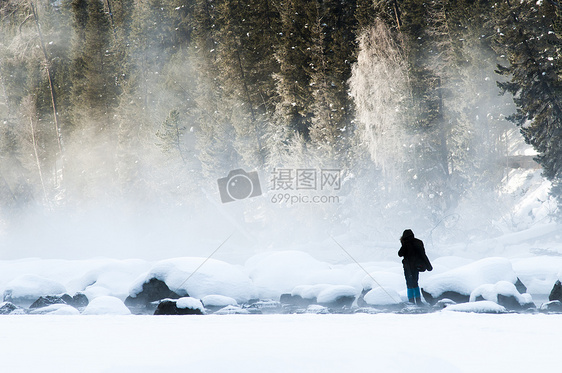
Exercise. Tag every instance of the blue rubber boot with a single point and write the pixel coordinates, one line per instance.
(411, 295)
(417, 296)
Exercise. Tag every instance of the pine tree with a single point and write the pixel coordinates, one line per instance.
(95, 98)
(332, 46)
(293, 81)
(213, 131)
(246, 62)
(529, 36)
(94, 68)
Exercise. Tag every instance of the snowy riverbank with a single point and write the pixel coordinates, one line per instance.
(294, 277)
(440, 342)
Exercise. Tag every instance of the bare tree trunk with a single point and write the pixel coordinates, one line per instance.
(397, 14)
(443, 149)
(34, 143)
(110, 13)
(51, 87)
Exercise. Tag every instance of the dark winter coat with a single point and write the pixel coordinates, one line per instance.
(413, 252)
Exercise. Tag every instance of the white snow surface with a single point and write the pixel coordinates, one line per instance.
(453, 342)
(465, 279)
(191, 303)
(106, 305)
(200, 277)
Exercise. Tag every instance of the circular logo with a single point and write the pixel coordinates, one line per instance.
(239, 187)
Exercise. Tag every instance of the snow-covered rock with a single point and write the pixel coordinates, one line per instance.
(50, 300)
(106, 305)
(232, 310)
(317, 309)
(309, 292)
(484, 306)
(55, 309)
(538, 273)
(277, 273)
(554, 306)
(153, 290)
(182, 306)
(191, 303)
(503, 293)
(382, 297)
(199, 277)
(264, 306)
(109, 277)
(25, 289)
(556, 292)
(337, 296)
(463, 280)
(218, 301)
(7, 307)
(324, 293)
(78, 300)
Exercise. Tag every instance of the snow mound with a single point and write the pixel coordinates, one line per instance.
(385, 279)
(538, 273)
(484, 306)
(111, 277)
(332, 293)
(199, 277)
(106, 305)
(309, 291)
(324, 293)
(491, 291)
(465, 279)
(191, 303)
(218, 301)
(56, 309)
(27, 288)
(382, 297)
(278, 273)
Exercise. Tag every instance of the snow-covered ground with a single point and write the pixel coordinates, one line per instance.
(268, 276)
(441, 342)
(522, 246)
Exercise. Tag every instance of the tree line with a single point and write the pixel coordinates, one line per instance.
(157, 99)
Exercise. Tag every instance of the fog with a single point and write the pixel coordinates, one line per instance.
(134, 180)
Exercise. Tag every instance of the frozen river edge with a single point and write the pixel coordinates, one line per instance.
(436, 342)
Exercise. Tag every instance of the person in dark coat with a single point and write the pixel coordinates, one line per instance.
(415, 261)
